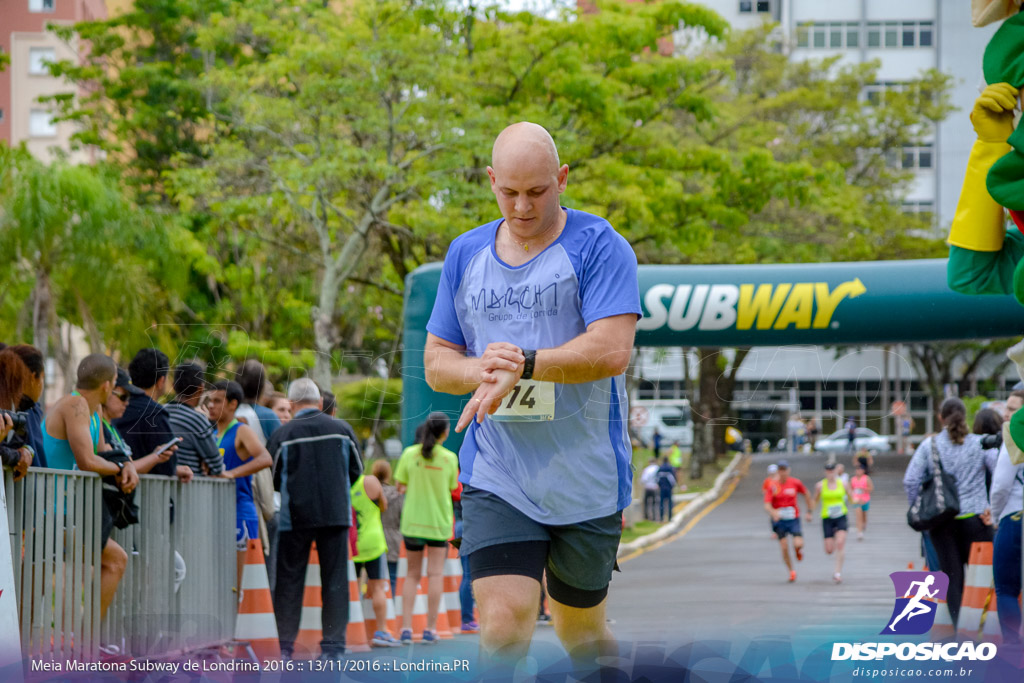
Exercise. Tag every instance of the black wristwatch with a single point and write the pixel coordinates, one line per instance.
(531, 360)
(120, 466)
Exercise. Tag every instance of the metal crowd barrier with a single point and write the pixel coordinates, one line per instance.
(55, 525)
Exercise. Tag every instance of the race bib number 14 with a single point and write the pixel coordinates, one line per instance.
(528, 401)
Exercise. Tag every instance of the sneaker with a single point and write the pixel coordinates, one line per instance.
(799, 554)
(544, 619)
(860, 535)
(429, 637)
(384, 639)
(837, 577)
(792, 576)
(406, 637)
(470, 627)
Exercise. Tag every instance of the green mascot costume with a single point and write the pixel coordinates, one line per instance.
(984, 256)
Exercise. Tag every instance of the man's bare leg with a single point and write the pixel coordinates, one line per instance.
(508, 615)
(113, 561)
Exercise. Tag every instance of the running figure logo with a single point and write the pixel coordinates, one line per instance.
(917, 596)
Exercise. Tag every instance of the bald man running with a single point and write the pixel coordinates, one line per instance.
(535, 314)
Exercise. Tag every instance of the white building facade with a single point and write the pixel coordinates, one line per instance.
(906, 37)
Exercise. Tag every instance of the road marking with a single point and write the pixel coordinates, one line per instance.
(743, 469)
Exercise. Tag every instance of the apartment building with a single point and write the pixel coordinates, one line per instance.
(23, 36)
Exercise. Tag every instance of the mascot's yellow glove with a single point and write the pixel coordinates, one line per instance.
(978, 223)
(992, 116)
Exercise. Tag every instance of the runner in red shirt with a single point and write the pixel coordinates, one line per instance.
(780, 503)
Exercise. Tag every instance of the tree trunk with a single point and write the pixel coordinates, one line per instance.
(713, 407)
(92, 331)
(323, 325)
(42, 299)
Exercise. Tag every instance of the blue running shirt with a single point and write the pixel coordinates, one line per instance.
(577, 466)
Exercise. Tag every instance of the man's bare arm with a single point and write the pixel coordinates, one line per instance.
(602, 351)
(76, 425)
(449, 370)
(257, 457)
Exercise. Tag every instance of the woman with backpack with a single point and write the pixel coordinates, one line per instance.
(959, 453)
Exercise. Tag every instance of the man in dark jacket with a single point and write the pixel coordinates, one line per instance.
(146, 425)
(315, 464)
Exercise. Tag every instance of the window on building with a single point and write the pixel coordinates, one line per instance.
(1, 115)
(803, 36)
(852, 34)
(831, 35)
(915, 157)
(918, 207)
(41, 124)
(38, 58)
(746, 5)
(924, 34)
(40, 5)
(892, 34)
(874, 34)
(819, 34)
(904, 34)
(875, 92)
(764, 6)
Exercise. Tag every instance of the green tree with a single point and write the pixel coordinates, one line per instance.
(82, 254)
(771, 109)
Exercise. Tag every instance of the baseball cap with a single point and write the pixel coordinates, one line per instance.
(124, 381)
(783, 464)
(773, 468)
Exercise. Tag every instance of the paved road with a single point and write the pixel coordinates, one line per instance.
(724, 579)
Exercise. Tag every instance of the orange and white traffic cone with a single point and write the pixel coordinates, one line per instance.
(942, 627)
(307, 642)
(355, 634)
(255, 622)
(978, 582)
(991, 632)
(452, 582)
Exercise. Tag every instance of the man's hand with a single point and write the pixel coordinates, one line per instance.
(127, 479)
(6, 425)
(487, 398)
(774, 515)
(992, 115)
(203, 410)
(184, 473)
(226, 474)
(21, 467)
(810, 516)
(986, 517)
(166, 455)
(500, 356)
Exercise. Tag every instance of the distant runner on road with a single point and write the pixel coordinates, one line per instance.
(833, 494)
(780, 504)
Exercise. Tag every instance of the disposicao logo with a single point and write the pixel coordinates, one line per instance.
(917, 596)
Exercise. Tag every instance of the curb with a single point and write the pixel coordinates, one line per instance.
(689, 512)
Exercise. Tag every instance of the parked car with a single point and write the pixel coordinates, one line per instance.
(839, 442)
(672, 420)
